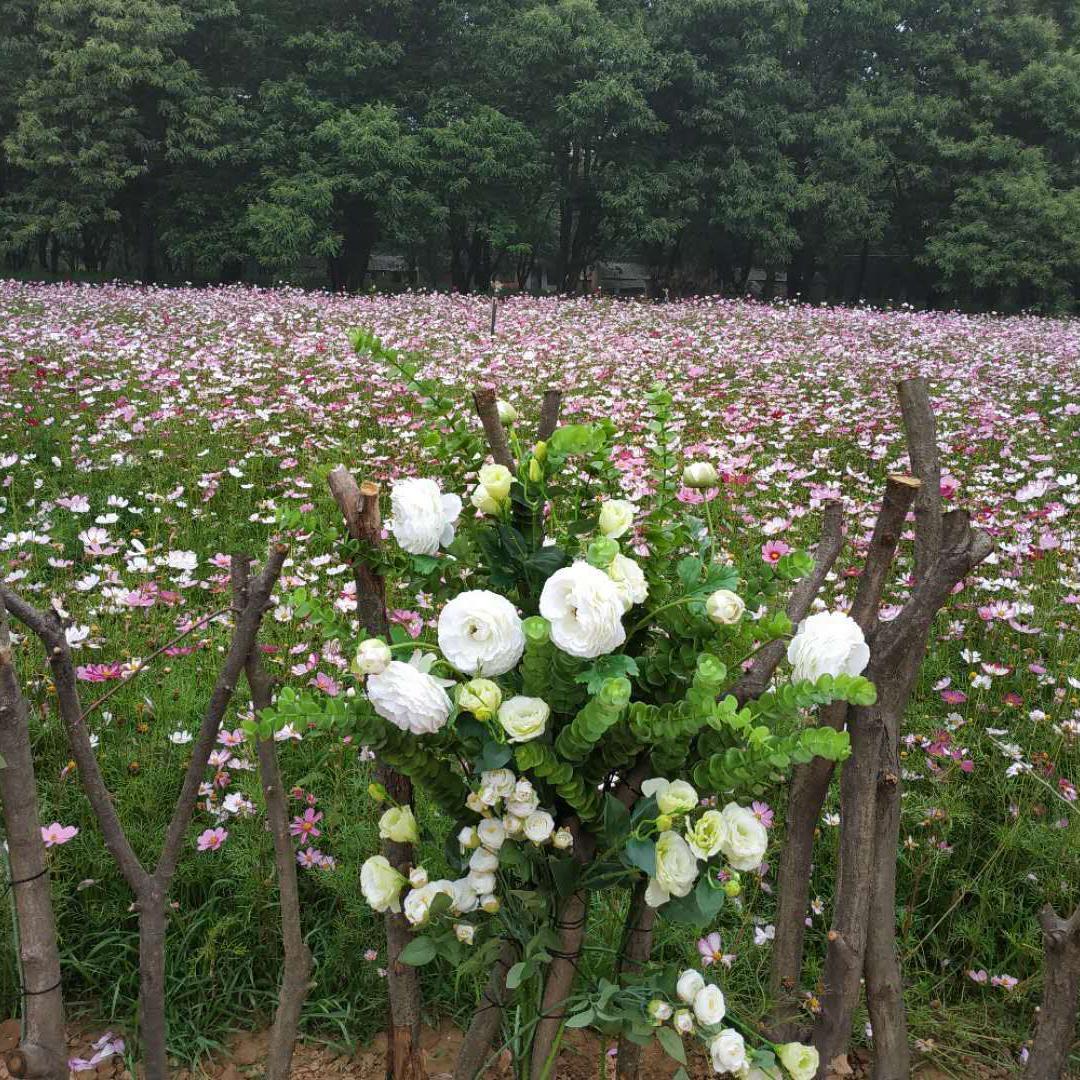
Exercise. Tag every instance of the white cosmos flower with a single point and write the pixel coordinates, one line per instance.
(585, 610)
(410, 698)
(828, 643)
(480, 633)
(423, 517)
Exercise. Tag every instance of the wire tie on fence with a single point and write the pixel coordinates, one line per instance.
(23, 881)
(48, 990)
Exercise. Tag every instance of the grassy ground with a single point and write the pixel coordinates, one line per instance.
(144, 433)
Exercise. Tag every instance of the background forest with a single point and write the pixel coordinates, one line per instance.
(920, 151)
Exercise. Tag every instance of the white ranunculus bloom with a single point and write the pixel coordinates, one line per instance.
(465, 933)
(523, 718)
(709, 1007)
(381, 884)
(465, 898)
(828, 643)
(482, 882)
(399, 825)
(616, 517)
(708, 834)
(672, 797)
(497, 479)
(410, 698)
(539, 826)
(690, 983)
(484, 861)
(496, 784)
(746, 839)
(480, 633)
(629, 580)
(728, 1051)
(492, 833)
(725, 607)
(799, 1060)
(700, 474)
(585, 610)
(484, 501)
(524, 800)
(418, 877)
(676, 870)
(563, 839)
(372, 656)
(423, 517)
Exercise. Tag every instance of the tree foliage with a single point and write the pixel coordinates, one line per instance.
(891, 149)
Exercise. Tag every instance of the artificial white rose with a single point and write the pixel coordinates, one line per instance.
(409, 698)
(423, 517)
(725, 607)
(828, 643)
(672, 797)
(491, 833)
(523, 718)
(372, 656)
(484, 861)
(585, 610)
(700, 474)
(481, 882)
(468, 837)
(683, 1021)
(563, 839)
(496, 784)
(507, 413)
(484, 501)
(659, 1010)
(746, 839)
(515, 826)
(475, 803)
(524, 800)
(399, 825)
(708, 834)
(689, 985)
(418, 902)
(480, 633)
(799, 1060)
(381, 884)
(676, 870)
(629, 580)
(465, 898)
(539, 826)
(709, 1006)
(464, 932)
(481, 697)
(616, 517)
(728, 1051)
(497, 479)
(490, 904)
(418, 877)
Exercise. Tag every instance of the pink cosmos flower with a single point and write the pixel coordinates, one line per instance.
(231, 738)
(55, 834)
(979, 976)
(711, 949)
(774, 550)
(763, 812)
(212, 839)
(953, 697)
(305, 824)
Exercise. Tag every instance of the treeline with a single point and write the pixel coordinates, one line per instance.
(918, 150)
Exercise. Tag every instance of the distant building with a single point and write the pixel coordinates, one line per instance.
(623, 278)
(392, 272)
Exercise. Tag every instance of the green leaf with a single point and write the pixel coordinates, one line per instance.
(709, 899)
(616, 821)
(516, 975)
(573, 439)
(672, 1044)
(581, 1019)
(689, 571)
(494, 755)
(607, 667)
(642, 854)
(418, 952)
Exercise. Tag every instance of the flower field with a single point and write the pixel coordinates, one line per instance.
(147, 434)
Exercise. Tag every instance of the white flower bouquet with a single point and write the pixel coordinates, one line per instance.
(593, 712)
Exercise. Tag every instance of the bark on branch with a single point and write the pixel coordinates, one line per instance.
(549, 413)
(44, 1041)
(359, 505)
(1055, 1028)
(920, 429)
(487, 1019)
(488, 410)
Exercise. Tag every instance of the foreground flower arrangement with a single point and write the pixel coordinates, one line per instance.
(594, 715)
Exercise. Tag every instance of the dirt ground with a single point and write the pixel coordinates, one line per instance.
(584, 1054)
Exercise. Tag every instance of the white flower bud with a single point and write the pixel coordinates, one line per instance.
(418, 877)
(700, 474)
(725, 607)
(507, 413)
(468, 837)
(563, 839)
(372, 657)
(465, 933)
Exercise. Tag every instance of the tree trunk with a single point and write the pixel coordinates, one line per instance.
(486, 1021)
(634, 954)
(43, 1046)
(1056, 1026)
(151, 904)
